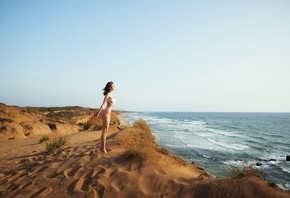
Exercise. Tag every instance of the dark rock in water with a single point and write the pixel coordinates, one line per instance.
(259, 164)
(271, 160)
(288, 158)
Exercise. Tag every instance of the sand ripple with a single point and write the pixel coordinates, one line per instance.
(81, 170)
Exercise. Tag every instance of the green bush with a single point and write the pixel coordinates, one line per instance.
(56, 143)
(44, 138)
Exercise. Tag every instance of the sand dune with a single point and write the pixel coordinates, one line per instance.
(81, 170)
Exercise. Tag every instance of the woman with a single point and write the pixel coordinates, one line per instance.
(106, 113)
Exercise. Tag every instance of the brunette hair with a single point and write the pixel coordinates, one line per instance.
(107, 88)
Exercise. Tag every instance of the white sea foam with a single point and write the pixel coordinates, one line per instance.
(285, 169)
(240, 147)
(239, 163)
(225, 133)
(203, 134)
(195, 142)
(226, 136)
(235, 147)
(206, 156)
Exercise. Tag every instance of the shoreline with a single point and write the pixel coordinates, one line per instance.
(187, 134)
(80, 169)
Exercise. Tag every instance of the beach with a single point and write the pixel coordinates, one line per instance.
(79, 169)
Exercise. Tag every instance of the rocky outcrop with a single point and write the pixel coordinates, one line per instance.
(22, 122)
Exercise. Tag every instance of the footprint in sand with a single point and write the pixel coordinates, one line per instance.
(78, 185)
(70, 172)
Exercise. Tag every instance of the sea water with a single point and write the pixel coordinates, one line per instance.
(215, 141)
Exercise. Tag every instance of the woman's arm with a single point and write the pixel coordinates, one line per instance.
(104, 101)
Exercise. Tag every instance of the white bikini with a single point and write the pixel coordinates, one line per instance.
(111, 100)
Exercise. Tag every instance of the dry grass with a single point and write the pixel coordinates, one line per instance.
(139, 142)
(245, 172)
(44, 138)
(56, 143)
(4, 120)
(142, 124)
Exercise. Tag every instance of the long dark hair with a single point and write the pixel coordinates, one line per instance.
(107, 88)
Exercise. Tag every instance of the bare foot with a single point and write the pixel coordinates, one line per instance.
(103, 150)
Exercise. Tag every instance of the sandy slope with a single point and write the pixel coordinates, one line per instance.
(80, 170)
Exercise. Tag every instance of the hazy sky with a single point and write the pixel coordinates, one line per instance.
(161, 55)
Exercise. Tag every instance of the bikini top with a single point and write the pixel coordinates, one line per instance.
(111, 100)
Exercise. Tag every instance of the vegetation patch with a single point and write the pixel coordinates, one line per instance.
(139, 142)
(3, 128)
(56, 143)
(5, 120)
(246, 171)
(44, 138)
(98, 126)
(164, 151)
(66, 115)
(86, 125)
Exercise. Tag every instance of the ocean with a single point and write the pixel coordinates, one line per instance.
(215, 141)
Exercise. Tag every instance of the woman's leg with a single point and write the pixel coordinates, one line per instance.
(106, 122)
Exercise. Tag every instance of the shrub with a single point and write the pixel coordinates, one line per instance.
(3, 128)
(98, 127)
(142, 124)
(140, 146)
(4, 120)
(245, 172)
(44, 138)
(56, 143)
(114, 119)
(86, 125)
(164, 151)
(139, 142)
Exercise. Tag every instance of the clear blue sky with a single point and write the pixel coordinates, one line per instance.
(162, 55)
